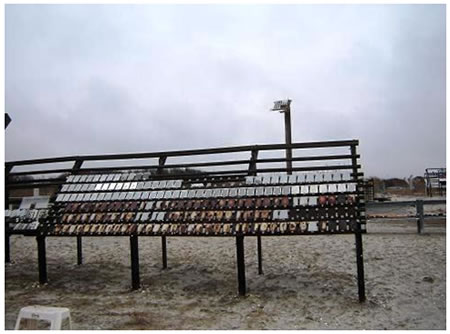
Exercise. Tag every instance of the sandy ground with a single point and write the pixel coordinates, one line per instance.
(309, 282)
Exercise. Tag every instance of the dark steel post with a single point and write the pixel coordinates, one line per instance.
(79, 250)
(358, 235)
(260, 270)
(240, 264)
(134, 247)
(287, 125)
(7, 249)
(42, 261)
(419, 213)
(164, 252)
(7, 254)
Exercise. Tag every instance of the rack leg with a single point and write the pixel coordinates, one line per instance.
(260, 270)
(360, 266)
(7, 253)
(134, 247)
(164, 252)
(240, 264)
(79, 250)
(419, 211)
(42, 261)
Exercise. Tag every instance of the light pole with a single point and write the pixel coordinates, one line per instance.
(284, 106)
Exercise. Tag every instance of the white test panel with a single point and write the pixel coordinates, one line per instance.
(268, 191)
(249, 180)
(323, 188)
(251, 191)
(341, 187)
(242, 192)
(286, 190)
(133, 185)
(259, 191)
(126, 185)
(313, 189)
(232, 192)
(283, 179)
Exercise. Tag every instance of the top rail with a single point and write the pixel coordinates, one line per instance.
(232, 149)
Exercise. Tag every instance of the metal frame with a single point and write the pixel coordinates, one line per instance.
(159, 172)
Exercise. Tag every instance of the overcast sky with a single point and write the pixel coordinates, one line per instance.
(106, 79)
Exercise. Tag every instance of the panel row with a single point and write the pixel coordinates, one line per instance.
(342, 226)
(319, 176)
(249, 203)
(208, 216)
(207, 193)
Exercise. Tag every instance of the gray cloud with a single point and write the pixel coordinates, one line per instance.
(95, 79)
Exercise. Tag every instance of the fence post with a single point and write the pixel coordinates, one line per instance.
(419, 214)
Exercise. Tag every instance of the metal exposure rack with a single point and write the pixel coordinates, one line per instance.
(262, 198)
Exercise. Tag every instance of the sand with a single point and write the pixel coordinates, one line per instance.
(309, 282)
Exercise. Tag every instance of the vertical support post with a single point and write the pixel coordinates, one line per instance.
(164, 252)
(7, 254)
(7, 248)
(287, 125)
(76, 166)
(42, 260)
(134, 248)
(260, 270)
(159, 171)
(79, 250)
(358, 234)
(419, 213)
(240, 264)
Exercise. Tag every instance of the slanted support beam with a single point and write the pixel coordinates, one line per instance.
(240, 265)
(134, 250)
(42, 260)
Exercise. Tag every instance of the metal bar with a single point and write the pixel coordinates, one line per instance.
(420, 220)
(252, 164)
(42, 261)
(232, 149)
(405, 203)
(240, 264)
(134, 250)
(260, 270)
(358, 240)
(164, 252)
(79, 250)
(27, 184)
(288, 137)
(7, 244)
(7, 248)
(188, 165)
